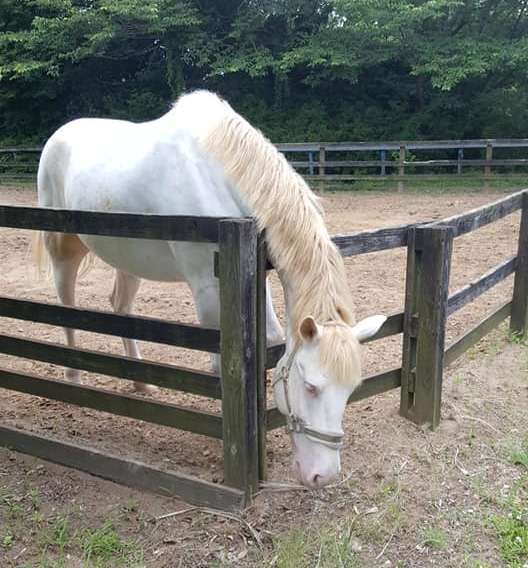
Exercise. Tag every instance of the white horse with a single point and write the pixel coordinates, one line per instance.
(202, 158)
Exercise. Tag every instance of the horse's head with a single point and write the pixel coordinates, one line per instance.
(312, 384)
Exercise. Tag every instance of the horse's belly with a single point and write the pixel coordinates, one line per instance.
(153, 260)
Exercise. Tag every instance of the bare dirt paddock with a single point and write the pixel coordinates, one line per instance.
(408, 497)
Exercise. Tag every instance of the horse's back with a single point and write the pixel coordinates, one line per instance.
(113, 165)
(107, 165)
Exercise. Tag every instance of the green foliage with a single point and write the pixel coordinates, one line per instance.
(513, 538)
(298, 69)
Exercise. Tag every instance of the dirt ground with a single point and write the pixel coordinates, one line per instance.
(408, 497)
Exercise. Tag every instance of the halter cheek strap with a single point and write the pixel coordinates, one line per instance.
(295, 424)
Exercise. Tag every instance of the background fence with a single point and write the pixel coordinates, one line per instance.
(347, 161)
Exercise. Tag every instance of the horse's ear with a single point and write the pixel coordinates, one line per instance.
(309, 329)
(368, 327)
(344, 314)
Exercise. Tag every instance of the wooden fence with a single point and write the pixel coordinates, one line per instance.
(403, 160)
(241, 266)
(348, 161)
(240, 289)
(427, 305)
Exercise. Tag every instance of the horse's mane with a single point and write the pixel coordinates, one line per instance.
(284, 205)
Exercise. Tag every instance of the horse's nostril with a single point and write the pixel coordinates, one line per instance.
(316, 479)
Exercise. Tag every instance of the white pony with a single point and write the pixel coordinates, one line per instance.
(202, 158)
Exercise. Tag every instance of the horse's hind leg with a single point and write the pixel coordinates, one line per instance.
(66, 253)
(122, 299)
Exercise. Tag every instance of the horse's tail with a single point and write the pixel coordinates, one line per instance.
(40, 256)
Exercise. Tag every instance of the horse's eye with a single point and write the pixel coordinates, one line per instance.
(311, 389)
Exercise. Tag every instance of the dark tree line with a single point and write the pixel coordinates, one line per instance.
(298, 69)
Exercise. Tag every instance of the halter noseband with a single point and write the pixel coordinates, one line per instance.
(295, 424)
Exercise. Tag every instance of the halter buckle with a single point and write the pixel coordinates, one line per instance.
(295, 424)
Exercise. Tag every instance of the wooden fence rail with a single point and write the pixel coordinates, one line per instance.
(318, 160)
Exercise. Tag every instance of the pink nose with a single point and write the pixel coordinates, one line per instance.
(314, 479)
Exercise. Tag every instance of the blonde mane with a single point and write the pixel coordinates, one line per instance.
(284, 205)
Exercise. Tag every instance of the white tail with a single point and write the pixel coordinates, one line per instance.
(40, 256)
(42, 259)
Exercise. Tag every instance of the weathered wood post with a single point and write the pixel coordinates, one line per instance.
(238, 345)
(322, 168)
(310, 163)
(519, 309)
(426, 298)
(383, 158)
(489, 157)
(262, 347)
(401, 167)
(460, 157)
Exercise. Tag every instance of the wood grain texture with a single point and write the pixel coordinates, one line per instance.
(481, 216)
(238, 339)
(412, 276)
(435, 250)
(129, 405)
(126, 471)
(519, 310)
(135, 327)
(477, 287)
(139, 370)
(262, 256)
(372, 241)
(129, 225)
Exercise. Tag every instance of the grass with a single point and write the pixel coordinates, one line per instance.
(444, 184)
(320, 547)
(435, 538)
(519, 454)
(104, 547)
(7, 541)
(58, 539)
(512, 533)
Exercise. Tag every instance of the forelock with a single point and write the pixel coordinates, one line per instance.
(339, 354)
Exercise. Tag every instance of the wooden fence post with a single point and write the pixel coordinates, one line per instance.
(519, 309)
(262, 346)
(489, 157)
(401, 167)
(426, 298)
(460, 157)
(383, 158)
(322, 160)
(310, 163)
(238, 346)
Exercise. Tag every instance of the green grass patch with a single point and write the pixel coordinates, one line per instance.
(104, 547)
(512, 532)
(324, 548)
(7, 541)
(435, 538)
